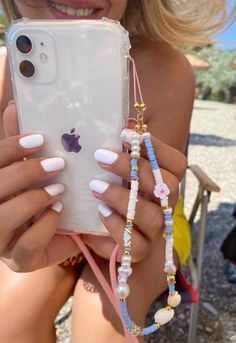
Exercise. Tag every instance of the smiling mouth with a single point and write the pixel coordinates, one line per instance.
(71, 11)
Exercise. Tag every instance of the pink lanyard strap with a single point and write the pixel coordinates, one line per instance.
(112, 265)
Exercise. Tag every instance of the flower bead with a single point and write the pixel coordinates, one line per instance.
(161, 191)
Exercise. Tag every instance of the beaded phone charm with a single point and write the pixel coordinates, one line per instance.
(161, 191)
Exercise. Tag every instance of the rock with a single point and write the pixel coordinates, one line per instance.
(210, 308)
(233, 339)
(208, 330)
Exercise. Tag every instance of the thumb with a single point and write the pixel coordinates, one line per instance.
(10, 121)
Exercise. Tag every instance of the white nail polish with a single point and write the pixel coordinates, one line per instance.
(52, 164)
(104, 210)
(32, 141)
(55, 189)
(105, 156)
(98, 186)
(57, 206)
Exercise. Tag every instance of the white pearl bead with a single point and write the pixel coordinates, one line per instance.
(164, 315)
(122, 279)
(174, 300)
(125, 264)
(125, 271)
(135, 148)
(122, 291)
(135, 154)
(126, 258)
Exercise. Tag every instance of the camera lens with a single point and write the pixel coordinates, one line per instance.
(24, 44)
(27, 69)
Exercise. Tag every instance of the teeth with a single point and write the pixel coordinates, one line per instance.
(73, 12)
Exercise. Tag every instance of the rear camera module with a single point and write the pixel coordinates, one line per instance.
(27, 69)
(23, 44)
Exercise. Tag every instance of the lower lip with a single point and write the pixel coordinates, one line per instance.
(60, 15)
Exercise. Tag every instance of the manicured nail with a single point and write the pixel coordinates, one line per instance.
(52, 164)
(104, 210)
(55, 189)
(57, 206)
(32, 141)
(11, 102)
(98, 186)
(105, 156)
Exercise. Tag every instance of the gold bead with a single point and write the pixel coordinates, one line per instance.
(134, 168)
(136, 105)
(168, 307)
(158, 325)
(144, 127)
(171, 279)
(143, 106)
(129, 221)
(137, 127)
(126, 253)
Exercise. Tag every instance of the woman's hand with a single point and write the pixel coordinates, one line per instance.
(27, 245)
(148, 222)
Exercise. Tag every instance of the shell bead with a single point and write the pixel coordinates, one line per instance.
(164, 315)
(174, 300)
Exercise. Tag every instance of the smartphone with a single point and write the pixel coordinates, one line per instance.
(71, 83)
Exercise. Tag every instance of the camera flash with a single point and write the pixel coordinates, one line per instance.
(43, 57)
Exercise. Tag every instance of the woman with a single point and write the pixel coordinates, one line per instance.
(168, 89)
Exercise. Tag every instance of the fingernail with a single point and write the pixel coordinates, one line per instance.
(11, 102)
(127, 134)
(55, 189)
(98, 186)
(104, 210)
(57, 206)
(32, 141)
(105, 156)
(52, 164)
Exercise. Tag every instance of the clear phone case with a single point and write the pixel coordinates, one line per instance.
(77, 97)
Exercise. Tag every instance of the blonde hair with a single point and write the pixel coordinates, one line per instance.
(177, 22)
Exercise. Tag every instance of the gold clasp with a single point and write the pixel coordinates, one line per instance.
(140, 107)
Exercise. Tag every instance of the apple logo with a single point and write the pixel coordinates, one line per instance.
(70, 141)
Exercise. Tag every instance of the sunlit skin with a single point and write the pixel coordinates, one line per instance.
(168, 89)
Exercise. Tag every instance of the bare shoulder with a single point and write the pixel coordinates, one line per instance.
(168, 86)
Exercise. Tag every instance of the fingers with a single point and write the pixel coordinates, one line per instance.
(115, 224)
(29, 251)
(26, 205)
(148, 218)
(22, 174)
(168, 158)
(16, 148)
(10, 121)
(119, 164)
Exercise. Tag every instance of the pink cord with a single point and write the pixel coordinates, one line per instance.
(112, 265)
(100, 277)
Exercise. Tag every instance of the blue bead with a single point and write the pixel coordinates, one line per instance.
(125, 315)
(171, 288)
(133, 173)
(148, 330)
(133, 162)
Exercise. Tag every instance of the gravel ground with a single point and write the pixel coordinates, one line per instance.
(213, 148)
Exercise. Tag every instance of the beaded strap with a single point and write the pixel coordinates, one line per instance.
(161, 191)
